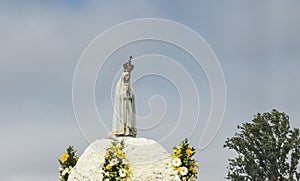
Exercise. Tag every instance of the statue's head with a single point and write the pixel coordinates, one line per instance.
(127, 77)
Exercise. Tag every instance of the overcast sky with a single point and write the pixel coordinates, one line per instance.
(257, 44)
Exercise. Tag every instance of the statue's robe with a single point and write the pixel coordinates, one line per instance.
(123, 123)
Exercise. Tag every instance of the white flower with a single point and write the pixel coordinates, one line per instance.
(192, 178)
(124, 162)
(113, 162)
(183, 171)
(176, 162)
(69, 170)
(60, 169)
(66, 170)
(122, 173)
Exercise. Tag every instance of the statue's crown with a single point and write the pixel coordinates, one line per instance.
(128, 66)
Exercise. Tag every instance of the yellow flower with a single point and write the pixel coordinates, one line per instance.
(183, 178)
(77, 157)
(189, 151)
(64, 157)
(115, 148)
(108, 167)
(193, 169)
(178, 151)
(174, 156)
(128, 172)
(106, 154)
(119, 154)
(194, 163)
(174, 168)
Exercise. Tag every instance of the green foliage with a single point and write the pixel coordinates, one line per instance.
(268, 149)
(67, 161)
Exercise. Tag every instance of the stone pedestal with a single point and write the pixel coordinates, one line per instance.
(147, 158)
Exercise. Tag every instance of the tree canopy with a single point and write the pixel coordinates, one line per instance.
(267, 149)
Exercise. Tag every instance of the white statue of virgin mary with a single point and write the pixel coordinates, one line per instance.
(123, 123)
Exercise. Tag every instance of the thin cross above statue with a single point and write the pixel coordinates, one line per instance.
(129, 61)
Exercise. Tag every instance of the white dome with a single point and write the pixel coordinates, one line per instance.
(147, 159)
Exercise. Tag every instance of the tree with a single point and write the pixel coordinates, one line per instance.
(267, 149)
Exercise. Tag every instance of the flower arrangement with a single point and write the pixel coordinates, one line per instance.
(67, 161)
(182, 162)
(115, 165)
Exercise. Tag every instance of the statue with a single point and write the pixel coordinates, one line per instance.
(123, 122)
